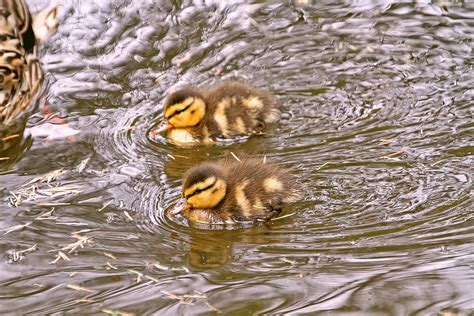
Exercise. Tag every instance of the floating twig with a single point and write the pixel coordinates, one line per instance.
(81, 241)
(387, 140)
(104, 206)
(46, 216)
(392, 155)
(152, 278)
(48, 177)
(128, 215)
(282, 217)
(171, 295)
(63, 256)
(116, 312)
(111, 266)
(236, 158)
(139, 275)
(15, 228)
(52, 204)
(183, 268)
(79, 288)
(161, 267)
(17, 254)
(323, 165)
(82, 165)
(110, 255)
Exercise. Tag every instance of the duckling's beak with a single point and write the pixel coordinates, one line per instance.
(181, 206)
(164, 128)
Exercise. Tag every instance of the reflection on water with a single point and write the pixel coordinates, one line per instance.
(377, 125)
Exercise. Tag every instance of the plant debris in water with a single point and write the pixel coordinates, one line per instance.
(45, 186)
(69, 248)
(16, 256)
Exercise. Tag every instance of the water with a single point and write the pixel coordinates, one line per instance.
(377, 125)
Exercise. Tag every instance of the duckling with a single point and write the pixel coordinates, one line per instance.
(228, 192)
(224, 110)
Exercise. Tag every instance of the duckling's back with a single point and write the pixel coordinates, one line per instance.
(257, 190)
(238, 109)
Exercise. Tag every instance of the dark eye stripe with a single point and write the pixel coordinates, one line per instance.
(179, 111)
(201, 190)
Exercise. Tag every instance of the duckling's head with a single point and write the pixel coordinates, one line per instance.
(183, 108)
(204, 187)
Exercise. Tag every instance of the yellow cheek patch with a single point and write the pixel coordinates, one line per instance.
(209, 197)
(199, 186)
(253, 103)
(170, 111)
(220, 117)
(189, 115)
(272, 184)
(241, 198)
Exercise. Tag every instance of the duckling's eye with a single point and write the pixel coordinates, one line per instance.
(182, 110)
(197, 191)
